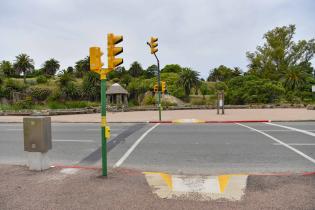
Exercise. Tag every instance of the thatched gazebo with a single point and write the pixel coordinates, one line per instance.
(117, 96)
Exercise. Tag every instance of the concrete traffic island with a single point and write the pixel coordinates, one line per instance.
(194, 187)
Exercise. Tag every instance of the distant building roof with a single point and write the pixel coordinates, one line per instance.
(116, 89)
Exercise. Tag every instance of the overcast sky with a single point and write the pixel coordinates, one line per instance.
(201, 34)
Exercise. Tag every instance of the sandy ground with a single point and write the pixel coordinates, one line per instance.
(127, 189)
(141, 116)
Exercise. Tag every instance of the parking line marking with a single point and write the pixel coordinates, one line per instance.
(293, 129)
(280, 142)
(130, 150)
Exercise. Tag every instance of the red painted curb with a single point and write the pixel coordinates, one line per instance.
(78, 167)
(309, 174)
(213, 121)
(239, 121)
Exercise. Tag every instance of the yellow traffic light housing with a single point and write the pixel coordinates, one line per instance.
(163, 84)
(112, 40)
(153, 45)
(156, 88)
(95, 59)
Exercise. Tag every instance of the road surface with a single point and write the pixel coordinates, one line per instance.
(177, 148)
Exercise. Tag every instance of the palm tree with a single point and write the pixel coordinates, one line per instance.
(23, 63)
(188, 79)
(82, 66)
(51, 66)
(6, 68)
(294, 78)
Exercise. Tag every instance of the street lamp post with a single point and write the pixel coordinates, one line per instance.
(152, 45)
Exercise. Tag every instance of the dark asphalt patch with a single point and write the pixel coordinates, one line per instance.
(96, 155)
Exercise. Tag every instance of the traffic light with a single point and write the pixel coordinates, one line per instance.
(153, 45)
(163, 84)
(156, 88)
(95, 59)
(112, 40)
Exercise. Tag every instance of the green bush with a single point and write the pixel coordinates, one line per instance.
(72, 91)
(24, 104)
(148, 100)
(15, 85)
(251, 89)
(71, 104)
(40, 94)
(167, 103)
(55, 95)
(41, 79)
(198, 101)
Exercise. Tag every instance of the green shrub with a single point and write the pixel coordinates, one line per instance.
(24, 104)
(148, 100)
(40, 94)
(72, 91)
(71, 104)
(41, 79)
(198, 101)
(15, 85)
(55, 95)
(167, 103)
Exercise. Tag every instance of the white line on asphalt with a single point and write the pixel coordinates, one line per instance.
(298, 144)
(282, 130)
(73, 140)
(293, 129)
(130, 150)
(280, 142)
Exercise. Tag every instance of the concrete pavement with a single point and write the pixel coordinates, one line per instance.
(288, 114)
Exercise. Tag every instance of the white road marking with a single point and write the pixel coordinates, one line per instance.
(69, 171)
(282, 130)
(280, 142)
(73, 140)
(130, 150)
(293, 129)
(298, 144)
(9, 125)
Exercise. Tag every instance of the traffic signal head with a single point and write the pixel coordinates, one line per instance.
(156, 88)
(153, 45)
(112, 40)
(95, 59)
(163, 84)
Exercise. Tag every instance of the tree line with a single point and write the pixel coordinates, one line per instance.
(279, 71)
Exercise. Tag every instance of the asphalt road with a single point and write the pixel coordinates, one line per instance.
(177, 148)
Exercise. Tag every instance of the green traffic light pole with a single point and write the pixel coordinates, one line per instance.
(103, 123)
(159, 85)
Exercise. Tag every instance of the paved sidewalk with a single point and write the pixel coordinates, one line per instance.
(208, 115)
(127, 189)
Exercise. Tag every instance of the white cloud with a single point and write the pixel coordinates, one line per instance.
(201, 34)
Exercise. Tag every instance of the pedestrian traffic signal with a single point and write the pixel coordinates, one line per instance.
(156, 88)
(112, 40)
(153, 45)
(163, 84)
(95, 59)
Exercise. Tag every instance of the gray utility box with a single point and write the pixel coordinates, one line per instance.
(37, 134)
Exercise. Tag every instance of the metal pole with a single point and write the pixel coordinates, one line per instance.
(218, 103)
(222, 101)
(159, 88)
(103, 124)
